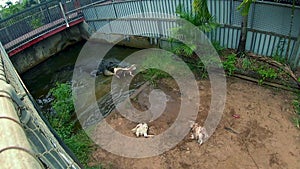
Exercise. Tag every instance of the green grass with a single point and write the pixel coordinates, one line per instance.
(279, 59)
(296, 121)
(63, 122)
(296, 104)
(164, 66)
(81, 145)
(246, 64)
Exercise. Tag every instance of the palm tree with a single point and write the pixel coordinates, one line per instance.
(244, 7)
(199, 17)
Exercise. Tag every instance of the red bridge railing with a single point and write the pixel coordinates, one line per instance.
(28, 27)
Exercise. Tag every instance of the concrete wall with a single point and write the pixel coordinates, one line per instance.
(132, 41)
(41, 51)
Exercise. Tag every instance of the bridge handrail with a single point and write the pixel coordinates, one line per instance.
(46, 146)
(30, 23)
(83, 5)
(15, 149)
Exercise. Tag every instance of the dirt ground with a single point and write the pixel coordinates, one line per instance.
(262, 137)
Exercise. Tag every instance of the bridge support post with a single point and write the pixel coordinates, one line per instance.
(64, 14)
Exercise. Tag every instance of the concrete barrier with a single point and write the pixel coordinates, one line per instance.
(39, 52)
(15, 150)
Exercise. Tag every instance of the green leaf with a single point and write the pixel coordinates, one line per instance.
(244, 7)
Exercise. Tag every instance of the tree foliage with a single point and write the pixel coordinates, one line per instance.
(199, 16)
(9, 8)
(244, 7)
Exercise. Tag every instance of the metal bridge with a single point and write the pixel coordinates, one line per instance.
(32, 25)
(27, 140)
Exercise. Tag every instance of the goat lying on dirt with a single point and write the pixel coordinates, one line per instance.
(141, 130)
(198, 132)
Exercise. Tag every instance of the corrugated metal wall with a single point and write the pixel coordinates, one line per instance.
(269, 23)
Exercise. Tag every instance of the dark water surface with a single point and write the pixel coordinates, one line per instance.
(59, 68)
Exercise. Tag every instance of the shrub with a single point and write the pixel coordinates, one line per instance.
(200, 18)
(218, 47)
(266, 73)
(296, 104)
(80, 144)
(229, 64)
(246, 64)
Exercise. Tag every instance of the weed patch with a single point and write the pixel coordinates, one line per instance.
(64, 124)
(229, 64)
(165, 66)
(266, 73)
(296, 104)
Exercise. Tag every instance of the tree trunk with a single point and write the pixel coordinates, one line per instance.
(290, 34)
(243, 37)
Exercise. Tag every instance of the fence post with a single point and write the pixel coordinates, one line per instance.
(142, 9)
(131, 28)
(231, 12)
(48, 13)
(95, 11)
(295, 52)
(159, 25)
(113, 5)
(64, 14)
(252, 47)
(8, 35)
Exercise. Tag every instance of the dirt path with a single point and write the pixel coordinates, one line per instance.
(263, 136)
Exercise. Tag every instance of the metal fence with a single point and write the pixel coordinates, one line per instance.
(268, 27)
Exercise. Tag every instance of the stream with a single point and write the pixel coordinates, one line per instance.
(59, 69)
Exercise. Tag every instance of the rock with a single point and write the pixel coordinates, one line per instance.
(94, 73)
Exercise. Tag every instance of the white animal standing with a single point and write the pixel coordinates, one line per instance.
(141, 130)
(123, 71)
(198, 132)
(119, 71)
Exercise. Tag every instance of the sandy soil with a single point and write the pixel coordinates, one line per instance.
(263, 136)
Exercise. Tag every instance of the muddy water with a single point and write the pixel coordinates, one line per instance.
(59, 68)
